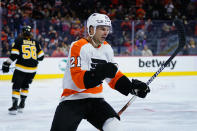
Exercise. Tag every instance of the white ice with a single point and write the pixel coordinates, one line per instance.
(171, 106)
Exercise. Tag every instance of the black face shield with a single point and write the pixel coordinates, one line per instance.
(27, 30)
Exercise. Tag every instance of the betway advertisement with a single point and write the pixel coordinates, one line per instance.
(152, 64)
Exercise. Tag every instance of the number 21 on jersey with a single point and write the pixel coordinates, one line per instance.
(75, 61)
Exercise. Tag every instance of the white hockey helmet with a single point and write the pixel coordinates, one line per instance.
(97, 19)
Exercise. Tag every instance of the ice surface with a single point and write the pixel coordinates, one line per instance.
(171, 106)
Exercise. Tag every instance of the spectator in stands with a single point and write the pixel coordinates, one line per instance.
(53, 43)
(140, 13)
(146, 51)
(65, 24)
(192, 47)
(76, 31)
(136, 51)
(155, 9)
(148, 25)
(64, 48)
(127, 44)
(58, 53)
(4, 36)
(5, 49)
(169, 9)
(126, 26)
(45, 48)
(66, 40)
(185, 50)
(165, 30)
(11, 39)
(140, 43)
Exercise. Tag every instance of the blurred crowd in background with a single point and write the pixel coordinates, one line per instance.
(140, 28)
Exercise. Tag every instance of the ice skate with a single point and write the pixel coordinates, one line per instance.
(21, 106)
(12, 110)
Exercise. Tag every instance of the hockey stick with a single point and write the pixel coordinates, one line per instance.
(182, 40)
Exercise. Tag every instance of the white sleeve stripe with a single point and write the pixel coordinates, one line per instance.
(22, 93)
(15, 52)
(16, 96)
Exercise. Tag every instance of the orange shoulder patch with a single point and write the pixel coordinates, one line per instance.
(75, 49)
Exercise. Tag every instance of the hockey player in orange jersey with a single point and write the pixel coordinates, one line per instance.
(91, 61)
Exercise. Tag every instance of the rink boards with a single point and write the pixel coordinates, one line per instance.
(53, 67)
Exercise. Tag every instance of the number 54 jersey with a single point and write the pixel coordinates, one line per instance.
(84, 57)
(27, 53)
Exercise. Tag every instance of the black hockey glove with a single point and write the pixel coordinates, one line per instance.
(106, 70)
(5, 67)
(96, 76)
(139, 88)
(91, 79)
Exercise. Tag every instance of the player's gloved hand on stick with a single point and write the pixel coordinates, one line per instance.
(139, 88)
(106, 70)
(5, 67)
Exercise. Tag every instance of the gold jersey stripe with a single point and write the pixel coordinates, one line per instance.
(25, 67)
(15, 93)
(41, 52)
(24, 91)
(15, 50)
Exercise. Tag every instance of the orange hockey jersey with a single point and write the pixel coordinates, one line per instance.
(82, 57)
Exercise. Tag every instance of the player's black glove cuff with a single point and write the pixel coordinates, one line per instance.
(91, 79)
(5, 67)
(139, 88)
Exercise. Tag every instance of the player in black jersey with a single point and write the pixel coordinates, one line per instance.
(26, 52)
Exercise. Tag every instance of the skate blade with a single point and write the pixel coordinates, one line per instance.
(12, 112)
(20, 110)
